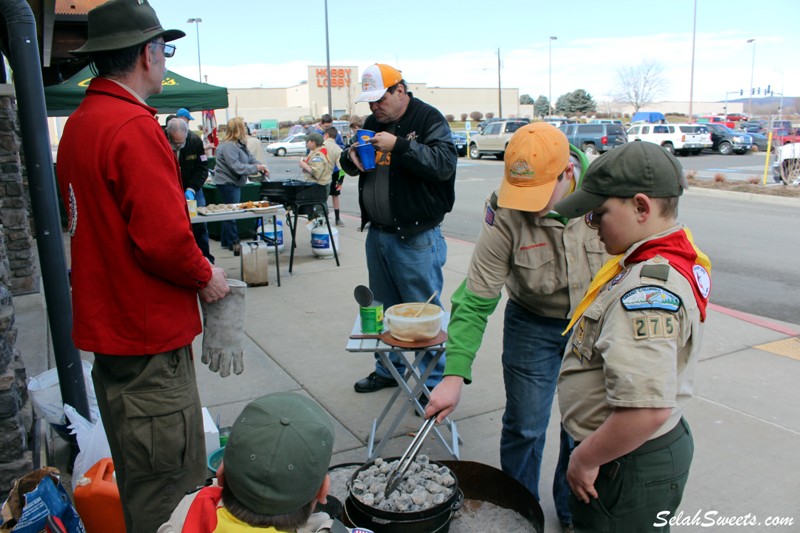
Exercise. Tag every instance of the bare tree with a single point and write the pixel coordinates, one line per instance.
(641, 84)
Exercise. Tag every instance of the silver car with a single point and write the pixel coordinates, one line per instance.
(291, 145)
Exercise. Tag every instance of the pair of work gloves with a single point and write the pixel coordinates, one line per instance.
(223, 331)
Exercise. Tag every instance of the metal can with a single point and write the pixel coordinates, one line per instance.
(372, 319)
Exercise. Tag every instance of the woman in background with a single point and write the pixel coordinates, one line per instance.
(234, 164)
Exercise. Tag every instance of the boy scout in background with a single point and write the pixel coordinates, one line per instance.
(629, 366)
(545, 262)
(317, 165)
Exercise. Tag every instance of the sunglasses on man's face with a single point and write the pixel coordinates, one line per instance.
(169, 49)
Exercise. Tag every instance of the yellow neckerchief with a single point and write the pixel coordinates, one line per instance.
(227, 523)
(614, 266)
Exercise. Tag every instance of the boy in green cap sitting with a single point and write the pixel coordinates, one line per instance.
(274, 471)
(629, 366)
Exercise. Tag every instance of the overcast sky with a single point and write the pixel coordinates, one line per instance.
(446, 43)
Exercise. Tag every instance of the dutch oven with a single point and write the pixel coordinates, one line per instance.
(433, 520)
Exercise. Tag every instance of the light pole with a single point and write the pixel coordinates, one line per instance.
(328, 61)
(691, 76)
(196, 22)
(752, 70)
(550, 76)
(780, 109)
(499, 90)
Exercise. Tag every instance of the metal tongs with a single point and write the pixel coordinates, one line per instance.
(408, 457)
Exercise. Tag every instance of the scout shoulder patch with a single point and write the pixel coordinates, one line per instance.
(650, 297)
(489, 215)
(703, 280)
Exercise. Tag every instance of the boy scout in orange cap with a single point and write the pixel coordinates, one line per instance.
(545, 262)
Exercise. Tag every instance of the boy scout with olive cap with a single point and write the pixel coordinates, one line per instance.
(274, 471)
(629, 366)
(545, 262)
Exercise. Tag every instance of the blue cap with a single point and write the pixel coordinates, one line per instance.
(184, 113)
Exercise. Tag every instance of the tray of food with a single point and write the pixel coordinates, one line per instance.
(219, 209)
(257, 206)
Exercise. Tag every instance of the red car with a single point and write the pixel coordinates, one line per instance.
(716, 119)
(737, 117)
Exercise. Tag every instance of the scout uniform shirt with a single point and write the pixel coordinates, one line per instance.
(636, 345)
(545, 263)
(321, 166)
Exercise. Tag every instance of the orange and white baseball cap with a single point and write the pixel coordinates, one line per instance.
(535, 157)
(375, 80)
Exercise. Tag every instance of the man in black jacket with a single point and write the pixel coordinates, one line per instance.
(193, 162)
(404, 200)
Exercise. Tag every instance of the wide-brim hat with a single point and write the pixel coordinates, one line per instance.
(118, 24)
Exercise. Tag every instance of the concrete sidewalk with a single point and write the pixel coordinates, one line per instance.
(744, 417)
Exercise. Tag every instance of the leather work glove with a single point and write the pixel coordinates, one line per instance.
(223, 331)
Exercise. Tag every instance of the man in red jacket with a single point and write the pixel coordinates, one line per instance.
(136, 269)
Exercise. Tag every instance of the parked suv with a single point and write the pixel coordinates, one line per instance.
(494, 138)
(681, 138)
(727, 141)
(594, 138)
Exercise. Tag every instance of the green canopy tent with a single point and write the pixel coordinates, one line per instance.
(64, 98)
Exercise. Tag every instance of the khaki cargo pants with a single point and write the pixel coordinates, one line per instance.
(152, 416)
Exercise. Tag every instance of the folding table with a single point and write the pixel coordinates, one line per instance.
(409, 385)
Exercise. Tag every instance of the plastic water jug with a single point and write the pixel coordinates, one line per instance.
(269, 233)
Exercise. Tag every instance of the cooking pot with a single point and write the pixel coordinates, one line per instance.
(435, 519)
(486, 483)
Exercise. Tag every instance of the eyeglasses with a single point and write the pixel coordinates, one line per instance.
(169, 49)
(592, 219)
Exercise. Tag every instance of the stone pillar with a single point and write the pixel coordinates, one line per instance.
(14, 205)
(17, 276)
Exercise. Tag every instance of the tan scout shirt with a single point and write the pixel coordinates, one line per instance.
(639, 357)
(545, 266)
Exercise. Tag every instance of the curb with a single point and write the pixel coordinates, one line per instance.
(744, 196)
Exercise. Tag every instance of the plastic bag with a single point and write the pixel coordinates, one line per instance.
(45, 393)
(46, 504)
(92, 443)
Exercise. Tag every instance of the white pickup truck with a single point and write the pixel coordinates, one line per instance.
(684, 139)
(787, 165)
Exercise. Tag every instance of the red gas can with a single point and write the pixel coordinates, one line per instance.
(97, 500)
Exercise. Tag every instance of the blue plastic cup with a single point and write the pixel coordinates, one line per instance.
(363, 136)
(366, 153)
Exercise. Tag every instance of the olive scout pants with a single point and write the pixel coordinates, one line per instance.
(636, 487)
(152, 416)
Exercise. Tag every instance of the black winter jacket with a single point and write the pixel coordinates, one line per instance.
(422, 169)
(193, 162)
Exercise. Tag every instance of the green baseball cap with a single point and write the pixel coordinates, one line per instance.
(278, 453)
(636, 167)
(118, 24)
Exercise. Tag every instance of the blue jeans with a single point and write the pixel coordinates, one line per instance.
(406, 270)
(532, 351)
(201, 230)
(229, 233)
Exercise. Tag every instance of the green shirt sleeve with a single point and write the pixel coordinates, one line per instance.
(469, 314)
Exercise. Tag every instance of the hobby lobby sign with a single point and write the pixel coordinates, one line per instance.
(340, 77)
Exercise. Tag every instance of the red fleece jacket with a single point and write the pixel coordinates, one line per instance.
(136, 267)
